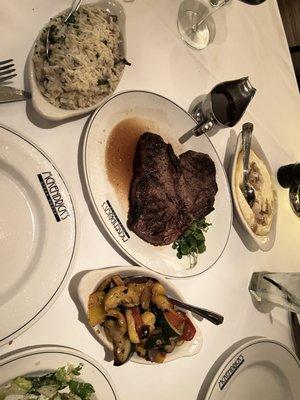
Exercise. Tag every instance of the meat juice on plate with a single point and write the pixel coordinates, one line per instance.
(120, 151)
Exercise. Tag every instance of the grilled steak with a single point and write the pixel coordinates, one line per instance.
(197, 183)
(167, 193)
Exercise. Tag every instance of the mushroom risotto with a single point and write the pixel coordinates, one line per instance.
(85, 61)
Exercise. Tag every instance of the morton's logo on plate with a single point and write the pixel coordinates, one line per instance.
(229, 373)
(53, 196)
(114, 220)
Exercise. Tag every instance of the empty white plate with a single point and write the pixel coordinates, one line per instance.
(157, 114)
(44, 359)
(260, 369)
(37, 233)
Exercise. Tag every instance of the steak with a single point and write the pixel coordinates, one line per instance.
(197, 183)
(167, 193)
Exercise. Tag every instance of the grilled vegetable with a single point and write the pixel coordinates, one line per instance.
(158, 288)
(123, 352)
(132, 332)
(127, 296)
(146, 297)
(162, 302)
(171, 323)
(96, 312)
(189, 330)
(158, 340)
(114, 297)
(140, 350)
(141, 328)
(123, 348)
(117, 280)
(120, 318)
(105, 285)
(156, 356)
(170, 347)
(137, 316)
(149, 319)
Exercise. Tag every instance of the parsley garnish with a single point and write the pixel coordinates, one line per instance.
(192, 241)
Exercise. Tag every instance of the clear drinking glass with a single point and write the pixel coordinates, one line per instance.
(279, 288)
(195, 23)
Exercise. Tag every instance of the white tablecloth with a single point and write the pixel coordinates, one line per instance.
(250, 42)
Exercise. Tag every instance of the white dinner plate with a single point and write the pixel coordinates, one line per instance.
(159, 115)
(259, 369)
(37, 233)
(44, 359)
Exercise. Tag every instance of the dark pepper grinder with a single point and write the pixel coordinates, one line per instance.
(289, 177)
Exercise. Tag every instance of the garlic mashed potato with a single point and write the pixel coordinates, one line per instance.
(260, 216)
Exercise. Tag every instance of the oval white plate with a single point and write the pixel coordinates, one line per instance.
(260, 369)
(40, 103)
(171, 121)
(43, 359)
(92, 279)
(266, 242)
(37, 233)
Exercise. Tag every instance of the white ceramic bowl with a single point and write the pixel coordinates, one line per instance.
(41, 104)
(266, 242)
(92, 279)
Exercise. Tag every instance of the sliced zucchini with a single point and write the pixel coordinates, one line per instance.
(123, 348)
(117, 280)
(162, 302)
(158, 289)
(114, 297)
(132, 332)
(115, 313)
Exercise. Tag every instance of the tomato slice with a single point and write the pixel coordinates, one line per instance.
(189, 330)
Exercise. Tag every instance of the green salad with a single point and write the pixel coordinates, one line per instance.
(62, 384)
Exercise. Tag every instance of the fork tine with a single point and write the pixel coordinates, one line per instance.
(6, 67)
(9, 71)
(6, 61)
(7, 77)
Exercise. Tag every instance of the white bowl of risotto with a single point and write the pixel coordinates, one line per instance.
(86, 62)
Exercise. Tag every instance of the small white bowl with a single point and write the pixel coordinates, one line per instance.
(266, 242)
(41, 104)
(92, 279)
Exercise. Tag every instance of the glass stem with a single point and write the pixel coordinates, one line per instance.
(217, 6)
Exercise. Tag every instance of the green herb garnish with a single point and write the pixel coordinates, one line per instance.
(102, 82)
(192, 241)
(81, 389)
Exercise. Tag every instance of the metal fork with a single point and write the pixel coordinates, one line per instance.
(6, 70)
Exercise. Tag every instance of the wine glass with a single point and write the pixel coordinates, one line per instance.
(195, 22)
(195, 25)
